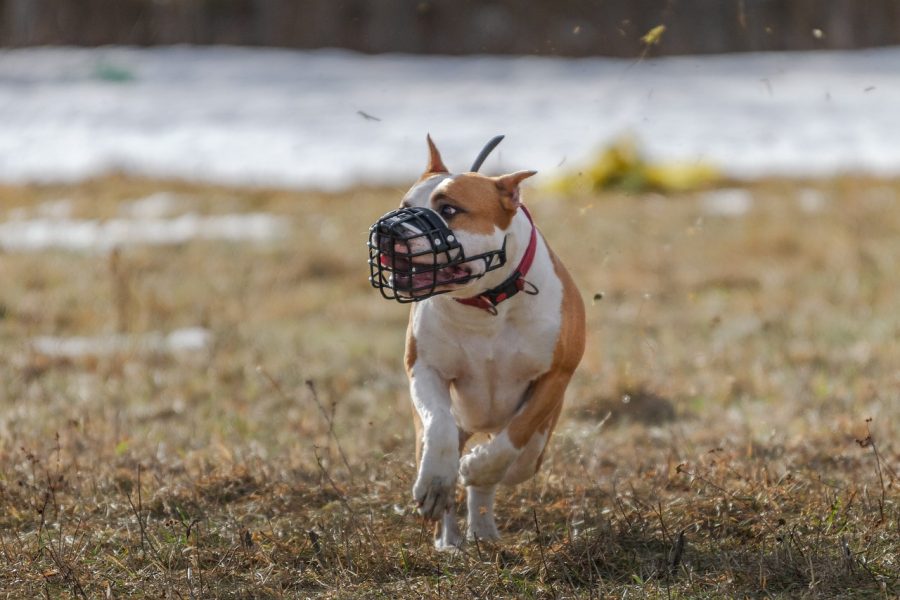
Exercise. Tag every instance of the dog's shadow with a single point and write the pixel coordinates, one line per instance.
(592, 554)
(730, 569)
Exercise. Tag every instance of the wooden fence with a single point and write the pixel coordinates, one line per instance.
(562, 27)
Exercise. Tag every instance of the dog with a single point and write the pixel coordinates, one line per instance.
(496, 331)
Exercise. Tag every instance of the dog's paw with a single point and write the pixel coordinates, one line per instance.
(482, 529)
(486, 464)
(434, 494)
(450, 546)
(448, 538)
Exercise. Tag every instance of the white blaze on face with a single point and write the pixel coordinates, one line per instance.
(420, 193)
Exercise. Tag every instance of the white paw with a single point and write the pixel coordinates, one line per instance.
(442, 545)
(434, 493)
(482, 528)
(486, 464)
(449, 539)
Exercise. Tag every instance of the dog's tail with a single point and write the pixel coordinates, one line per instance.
(485, 152)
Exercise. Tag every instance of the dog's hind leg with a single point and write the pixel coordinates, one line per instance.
(480, 503)
(514, 454)
(529, 461)
(446, 532)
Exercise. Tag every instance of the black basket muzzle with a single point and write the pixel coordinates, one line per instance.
(413, 255)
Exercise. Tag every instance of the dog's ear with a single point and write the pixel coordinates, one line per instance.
(435, 164)
(509, 188)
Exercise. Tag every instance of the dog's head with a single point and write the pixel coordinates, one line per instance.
(449, 231)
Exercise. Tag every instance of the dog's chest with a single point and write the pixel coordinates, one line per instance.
(489, 373)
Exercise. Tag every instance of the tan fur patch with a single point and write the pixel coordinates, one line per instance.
(570, 345)
(547, 429)
(411, 354)
(481, 202)
(412, 351)
(463, 438)
(542, 409)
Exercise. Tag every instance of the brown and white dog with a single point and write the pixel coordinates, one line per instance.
(478, 367)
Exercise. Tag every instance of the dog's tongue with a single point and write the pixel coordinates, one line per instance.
(424, 280)
(451, 273)
(443, 275)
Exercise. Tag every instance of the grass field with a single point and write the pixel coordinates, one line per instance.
(733, 431)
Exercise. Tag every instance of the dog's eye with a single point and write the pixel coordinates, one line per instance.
(448, 211)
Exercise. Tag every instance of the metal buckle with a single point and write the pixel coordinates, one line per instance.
(532, 290)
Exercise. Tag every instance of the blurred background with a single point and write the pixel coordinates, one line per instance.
(200, 393)
(565, 28)
(330, 94)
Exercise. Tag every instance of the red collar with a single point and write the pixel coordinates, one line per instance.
(512, 285)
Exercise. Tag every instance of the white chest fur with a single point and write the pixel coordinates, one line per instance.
(489, 361)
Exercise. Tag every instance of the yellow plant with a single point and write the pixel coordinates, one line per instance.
(621, 165)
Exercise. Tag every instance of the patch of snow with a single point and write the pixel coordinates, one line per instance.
(55, 209)
(727, 202)
(191, 339)
(292, 118)
(92, 235)
(154, 206)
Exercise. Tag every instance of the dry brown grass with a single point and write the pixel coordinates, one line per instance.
(748, 366)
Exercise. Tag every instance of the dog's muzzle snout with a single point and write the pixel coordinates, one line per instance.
(414, 255)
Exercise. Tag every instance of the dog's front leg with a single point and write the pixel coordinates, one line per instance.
(435, 487)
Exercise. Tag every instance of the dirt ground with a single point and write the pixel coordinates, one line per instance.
(733, 431)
